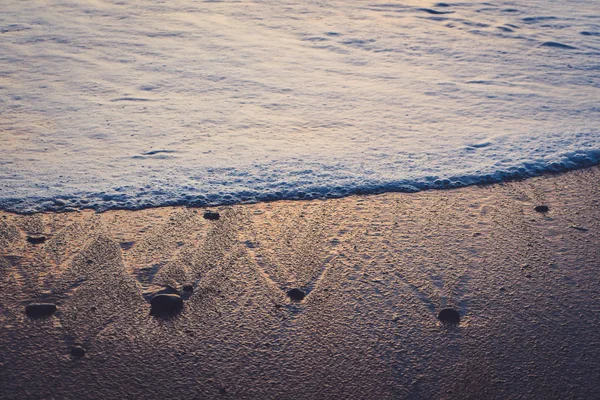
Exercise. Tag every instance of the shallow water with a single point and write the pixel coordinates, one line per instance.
(110, 104)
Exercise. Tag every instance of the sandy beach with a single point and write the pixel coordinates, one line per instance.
(376, 271)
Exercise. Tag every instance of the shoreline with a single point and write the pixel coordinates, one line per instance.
(376, 271)
(79, 202)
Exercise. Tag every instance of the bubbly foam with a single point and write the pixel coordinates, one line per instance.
(131, 105)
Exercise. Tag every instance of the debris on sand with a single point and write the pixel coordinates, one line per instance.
(212, 215)
(449, 316)
(38, 310)
(296, 294)
(36, 239)
(579, 228)
(542, 209)
(165, 305)
(77, 352)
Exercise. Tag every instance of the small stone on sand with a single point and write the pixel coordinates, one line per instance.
(78, 352)
(37, 310)
(126, 245)
(449, 316)
(36, 239)
(186, 292)
(211, 215)
(296, 294)
(542, 209)
(166, 304)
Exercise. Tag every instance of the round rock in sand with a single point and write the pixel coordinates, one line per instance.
(296, 294)
(449, 316)
(36, 239)
(542, 209)
(211, 215)
(38, 310)
(163, 305)
(77, 352)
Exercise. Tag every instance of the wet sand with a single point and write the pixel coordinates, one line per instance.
(376, 270)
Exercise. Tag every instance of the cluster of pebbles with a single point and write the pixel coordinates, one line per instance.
(167, 302)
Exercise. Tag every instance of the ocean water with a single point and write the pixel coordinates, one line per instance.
(130, 104)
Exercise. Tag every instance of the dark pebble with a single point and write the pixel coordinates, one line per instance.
(449, 316)
(36, 239)
(187, 291)
(166, 304)
(542, 209)
(296, 294)
(126, 245)
(36, 310)
(78, 352)
(211, 215)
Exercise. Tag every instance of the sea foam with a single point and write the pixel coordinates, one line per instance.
(132, 105)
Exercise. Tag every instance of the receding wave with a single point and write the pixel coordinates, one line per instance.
(143, 104)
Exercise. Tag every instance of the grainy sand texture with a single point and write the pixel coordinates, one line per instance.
(376, 271)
